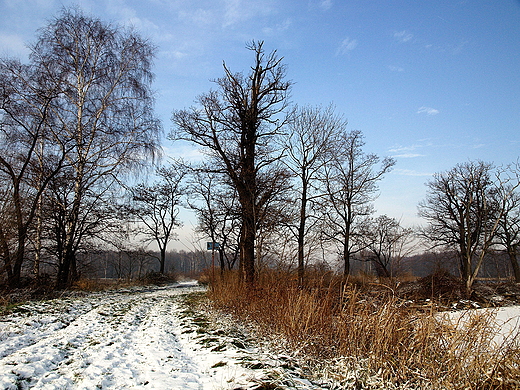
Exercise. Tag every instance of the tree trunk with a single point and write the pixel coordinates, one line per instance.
(346, 259)
(66, 269)
(247, 247)
(301, 236)
(163, 259)
(222, 263)
(6, 254)
(38, 239)
(16, 276)
(514, 265)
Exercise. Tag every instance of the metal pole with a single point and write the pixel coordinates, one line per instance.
(213, 261)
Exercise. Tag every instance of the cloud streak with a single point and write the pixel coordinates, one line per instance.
(396, 68)
(403, 36)
(401, 149)
(410, 172)
(408, 155)
(325, 4)
(427, 110)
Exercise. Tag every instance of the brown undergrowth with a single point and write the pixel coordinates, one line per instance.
(364, 335)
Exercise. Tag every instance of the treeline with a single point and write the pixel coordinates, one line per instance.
(129, 265)
(279, 185)
(136, 265)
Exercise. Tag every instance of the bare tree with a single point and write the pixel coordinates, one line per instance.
(237, 126)
(25, 125)
(388, 242)
(351, 182)
(104, 107)
(97, 217)
(155, 207)
(314, 138)
(217, 210)
(464, 210)
(508, 232)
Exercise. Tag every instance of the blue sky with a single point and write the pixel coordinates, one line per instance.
(431, 83)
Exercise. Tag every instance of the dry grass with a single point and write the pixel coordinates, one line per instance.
(365, 337)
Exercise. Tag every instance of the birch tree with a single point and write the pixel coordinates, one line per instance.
(105, 107)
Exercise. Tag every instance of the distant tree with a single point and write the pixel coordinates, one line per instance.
(237, 126)
(464, 210)
(508, 232)
(351, 182)
(217, 210)
(387, 242)
(155, 208)
(104, 108)
(313, 140)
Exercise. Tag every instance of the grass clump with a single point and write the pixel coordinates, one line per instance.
(366, 336)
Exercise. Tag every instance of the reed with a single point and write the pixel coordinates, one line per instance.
(360, 335)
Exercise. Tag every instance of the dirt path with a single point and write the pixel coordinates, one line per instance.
(121, 340)
(140, 338)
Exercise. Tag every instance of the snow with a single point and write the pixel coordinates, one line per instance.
(141, 338)
(149, 338)
(505, 320)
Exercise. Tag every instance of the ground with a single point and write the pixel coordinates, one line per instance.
(140, 338)
(159, 338)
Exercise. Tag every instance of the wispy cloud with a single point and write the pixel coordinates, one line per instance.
(325, 4)
(234, 12)
(408, 155)
(403, 36)
(199, 17)
(427, 110)
(346, 46)
(279, 28)
(409, 172)
(239, 11)
(128, 16)
(401, 149)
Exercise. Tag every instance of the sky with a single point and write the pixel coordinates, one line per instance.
(432, 83)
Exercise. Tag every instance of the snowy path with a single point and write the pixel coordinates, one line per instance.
(128, 339)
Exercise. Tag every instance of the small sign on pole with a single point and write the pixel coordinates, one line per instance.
(212, 246)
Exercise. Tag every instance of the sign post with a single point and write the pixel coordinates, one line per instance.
(211, 247)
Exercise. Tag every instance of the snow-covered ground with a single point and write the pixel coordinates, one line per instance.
(140, 338)
(505, 320)
(151, 338)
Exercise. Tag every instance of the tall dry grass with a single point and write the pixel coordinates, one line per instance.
(365, 337)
